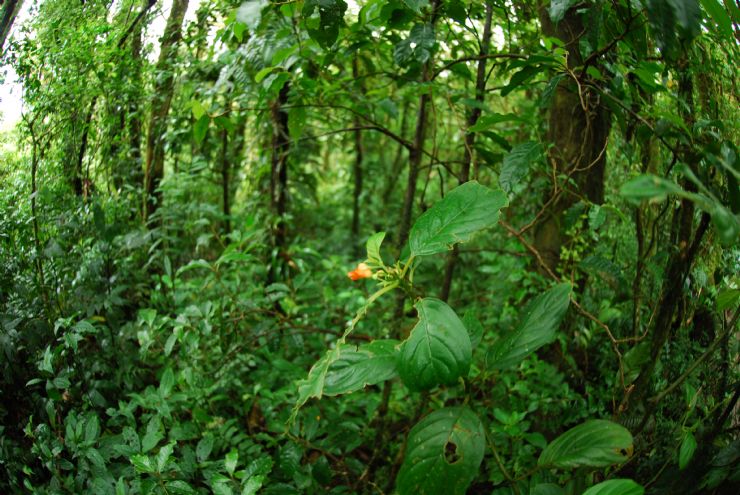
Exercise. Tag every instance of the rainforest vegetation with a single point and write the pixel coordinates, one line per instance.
(370, 247)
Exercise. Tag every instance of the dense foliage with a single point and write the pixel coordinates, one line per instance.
(390, 246)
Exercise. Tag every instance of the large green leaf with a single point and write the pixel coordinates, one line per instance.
(686, 452)
(719, 16)
(517, 164)
(649, 187)
(417, 48)
(360, 366)
(444, 452)
(465, 210)
(616, 487)
(595, 443)
(558, 8)
(537, 327)
(438, 351)
(325, 29)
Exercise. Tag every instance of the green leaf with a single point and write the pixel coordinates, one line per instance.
(373, 248)
(230, 462)
(719, 16)
(663, 23)
(179, 487)
(92, 429)
(164, 455)
(198, 109)
(93, 455)
(438, 351)
(558, 8)
(649, 187)
(547, 489)
(549, 91)
(444, 453)
(296, 121)
(489, 120)
(416, 5)
(595, 443)
(474, 327)
(464, 211)
(152, 435)
(616, 487)
(200, 129)
(263, 73)
(417, 48)
(520, 78)
(537, 327)
(205, 445)
(688, 15)
(728, 298)
(358, 367)
(517, 164)
(686, 452)
(249, 13)
(331, 18)
(142, 463)
(253, 484)
(166, 382)
(313, 384)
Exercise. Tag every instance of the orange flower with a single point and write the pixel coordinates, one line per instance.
(362, 271)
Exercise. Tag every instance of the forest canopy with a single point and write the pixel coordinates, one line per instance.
(386, 246)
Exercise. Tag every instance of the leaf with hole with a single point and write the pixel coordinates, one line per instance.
(595, 443)
(443, 453)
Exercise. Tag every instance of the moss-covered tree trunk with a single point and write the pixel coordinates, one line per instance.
(578, 128)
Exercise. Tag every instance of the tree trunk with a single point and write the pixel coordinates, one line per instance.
(163, 89)
(134, 110)
(225, 182)
(8, 13)
(279, 178)
(578, 127)
(480, 93)
(357, 171)
(79, 181)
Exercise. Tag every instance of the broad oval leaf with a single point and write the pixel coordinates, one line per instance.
(686, 452)
(649, 187)
(417, 48)
(517, 164)
(595, 443)
(438, 351)
(358, 367)
(537, 327)
(616, 487)
(464, 211)
(444, 452)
